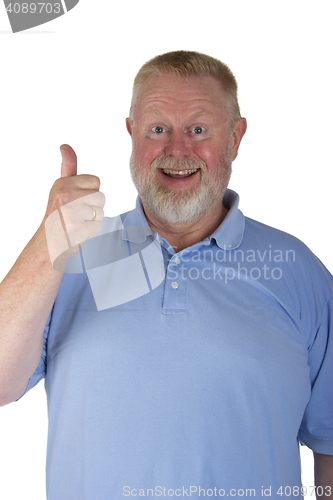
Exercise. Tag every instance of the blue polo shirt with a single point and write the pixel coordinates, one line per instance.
(187, 374)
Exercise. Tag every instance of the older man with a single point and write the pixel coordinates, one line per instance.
(187, 350)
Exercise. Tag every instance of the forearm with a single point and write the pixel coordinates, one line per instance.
(324, 475)
(26, 297)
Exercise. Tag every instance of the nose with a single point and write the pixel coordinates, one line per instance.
(177, 145)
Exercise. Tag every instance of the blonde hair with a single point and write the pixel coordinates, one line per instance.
(186, 64)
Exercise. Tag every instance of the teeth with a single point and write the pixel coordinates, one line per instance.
(179, 172)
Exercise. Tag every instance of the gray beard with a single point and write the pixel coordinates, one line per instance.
(180, 207)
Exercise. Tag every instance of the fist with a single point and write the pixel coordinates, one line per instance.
(74, 212)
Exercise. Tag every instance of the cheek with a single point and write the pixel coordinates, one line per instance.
(210, 156)
(147, 151)
(213, 152)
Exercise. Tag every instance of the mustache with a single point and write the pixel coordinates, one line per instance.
(169, 162)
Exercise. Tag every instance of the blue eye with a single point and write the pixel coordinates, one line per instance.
(198, 130)
(158, 130)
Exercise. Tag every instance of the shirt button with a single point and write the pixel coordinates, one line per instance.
(177, 260)
(174, 285)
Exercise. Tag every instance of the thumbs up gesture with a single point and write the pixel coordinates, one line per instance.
(69, 161)
(74, 212)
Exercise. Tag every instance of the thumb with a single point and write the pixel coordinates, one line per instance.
(69, 161)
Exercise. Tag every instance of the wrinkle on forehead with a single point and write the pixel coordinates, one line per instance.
(158, 112)
(170, 93)
(181, 90)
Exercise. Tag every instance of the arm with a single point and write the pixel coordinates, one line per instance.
(28, 292)
(324, 474)
(26, 298)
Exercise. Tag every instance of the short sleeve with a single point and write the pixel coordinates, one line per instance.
(316, 430)
(40, 371)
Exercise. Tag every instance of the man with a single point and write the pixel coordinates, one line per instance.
(187, 350)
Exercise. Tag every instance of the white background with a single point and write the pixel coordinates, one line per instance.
(69, 81)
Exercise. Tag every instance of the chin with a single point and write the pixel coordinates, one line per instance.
(181, 207)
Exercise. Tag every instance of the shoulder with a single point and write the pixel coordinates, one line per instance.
(299, 263)
(259, 235)
(256, 232)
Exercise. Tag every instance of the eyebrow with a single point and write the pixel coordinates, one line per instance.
(154, 111)
(196, 115)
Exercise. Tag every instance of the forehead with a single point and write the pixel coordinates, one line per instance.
(178, 95)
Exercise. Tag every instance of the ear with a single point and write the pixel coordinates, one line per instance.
(239, 130)
(129, 126)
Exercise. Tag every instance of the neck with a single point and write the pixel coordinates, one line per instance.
(181, 236)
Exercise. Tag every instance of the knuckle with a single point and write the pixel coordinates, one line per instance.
(71, 192)
(102, 199)
(89, 181)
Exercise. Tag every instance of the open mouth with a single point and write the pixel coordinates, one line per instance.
(179, 174)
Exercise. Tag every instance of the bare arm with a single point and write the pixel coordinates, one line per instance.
(28, 292)
(324, 475)
(26, 298)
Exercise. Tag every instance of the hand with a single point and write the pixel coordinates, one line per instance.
(70, 218)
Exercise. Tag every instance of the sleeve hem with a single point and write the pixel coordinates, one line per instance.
(318, 445)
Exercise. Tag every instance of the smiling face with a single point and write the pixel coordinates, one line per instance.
(183, 146)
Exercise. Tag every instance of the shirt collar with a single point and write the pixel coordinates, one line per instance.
(227, 236)
(230, 232)
(135, 225)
